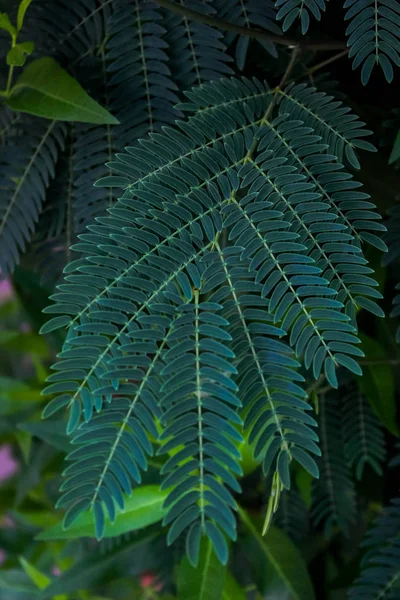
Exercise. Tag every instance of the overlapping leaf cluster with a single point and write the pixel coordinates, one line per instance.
(233, 257)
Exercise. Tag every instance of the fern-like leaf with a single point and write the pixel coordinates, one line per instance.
(374, 35)
(69, 27)
(393, 241)
(380, 575)
(333, 495)
(26, 172)
(329, 118)
(250, 14)
(290, 10)
(196, 51)
(363, 435)
(138, 68)
(268, 382)
(292, 516)
(115, 443)
(200, 413)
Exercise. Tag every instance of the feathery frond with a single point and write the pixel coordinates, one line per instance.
(268, 381)
(26, 172)
(290, 10)
(333, 495)
(68, 28)
(196, 51)
(392, 238)
(363, 435)
(138, 66)
(292, 516)
(199, 403)
(373, 35)
(249, 14)
(380, 575)
(329, 118)
(55, 233)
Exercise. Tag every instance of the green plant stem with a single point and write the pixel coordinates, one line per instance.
(292, 62)
(256, 34)
(9, 80)
(245, 519)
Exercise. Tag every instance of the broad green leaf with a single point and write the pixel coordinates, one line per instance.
(39, 579)
(34, 518)
(377, 383)
(24, 440)
(144, 507)
(52, 432)
(93, 568)
(17, 55)
(21, 12)
(288, 570)
(206, 581)
(46, 90)
(232, 590)
(16, 395)
(6, 24)
(395, 155)
(26, 343)
(16, 581)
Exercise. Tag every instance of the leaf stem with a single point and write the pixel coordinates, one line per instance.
(257, 34)
(9, 80)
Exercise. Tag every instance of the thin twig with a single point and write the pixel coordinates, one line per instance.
(292, 62)
(326, 62)
(256, 34)
(380, 361)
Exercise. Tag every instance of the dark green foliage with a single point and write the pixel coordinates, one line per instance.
(68, 29)
(196, 51)
(138, 69)
(292, 516)
(26, 172)
(55, 233)
(392, 257)
(373, 35)
(333, 499)
(249, 13)
(290, 10)
(380, 575)
(363, 435)
(199, 407)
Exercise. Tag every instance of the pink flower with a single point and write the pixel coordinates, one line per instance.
(6, 291)
(56, 571)
(148, 579)
(8, 464)
(3, 556)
